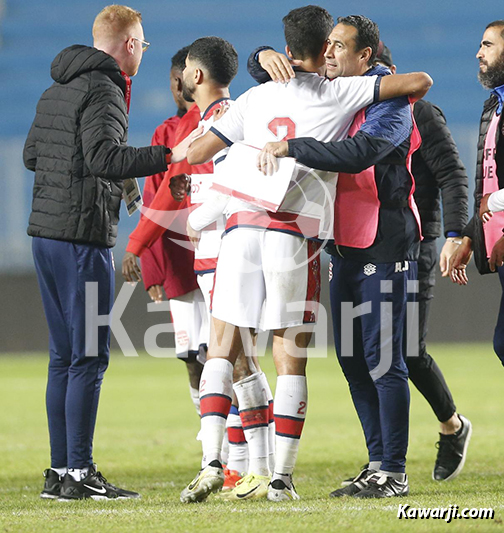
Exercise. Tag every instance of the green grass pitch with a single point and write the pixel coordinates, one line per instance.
(145, 440)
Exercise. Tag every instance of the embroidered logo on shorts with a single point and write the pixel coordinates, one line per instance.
(330, 270)
(369, 269)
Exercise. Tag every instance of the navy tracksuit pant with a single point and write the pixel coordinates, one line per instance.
(74, 378)
(498, 340)
(381, 399)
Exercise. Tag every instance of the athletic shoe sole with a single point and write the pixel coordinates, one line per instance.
(46, 496)
(281, 496)
(96, 498)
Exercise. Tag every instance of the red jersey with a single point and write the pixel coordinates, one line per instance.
(164, 262)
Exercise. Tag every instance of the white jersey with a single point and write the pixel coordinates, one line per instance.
(308, 106)
(205, 256)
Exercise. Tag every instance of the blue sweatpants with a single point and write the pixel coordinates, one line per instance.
(380, 399)
(74, 378)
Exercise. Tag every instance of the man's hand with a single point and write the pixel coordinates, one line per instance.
(267, 163)
(180, 185)
(194, 236)
(130, 269)
(156, 293)
(266, 159)
(220, 112)
(459, 261)
(484, 212)
(179, 152)
(277, 65)
(449, 248)
(497, 256)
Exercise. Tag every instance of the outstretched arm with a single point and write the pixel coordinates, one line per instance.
(204, 148)
(388, 124)
(415, 85)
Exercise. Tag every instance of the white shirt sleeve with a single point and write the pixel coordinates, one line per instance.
(354, 92)
(230, 128)
(209, 211)
(496, 201)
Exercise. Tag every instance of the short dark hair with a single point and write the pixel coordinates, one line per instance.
(217, 56)
(306, 30)
(368, 34)
(497, 23)
(178, 60)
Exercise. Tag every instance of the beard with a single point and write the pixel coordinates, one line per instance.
(494, 75)
(187, 92)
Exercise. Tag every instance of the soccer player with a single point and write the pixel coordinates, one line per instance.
(211, 65)
(309, 105)
(168, 265)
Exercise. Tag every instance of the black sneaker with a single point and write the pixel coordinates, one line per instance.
(349, 480)
(93, 486)
(52, 485)
(452, 451)
(383, 486)
(356, 484)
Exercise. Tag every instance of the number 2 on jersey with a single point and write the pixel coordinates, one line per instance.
(281, 125)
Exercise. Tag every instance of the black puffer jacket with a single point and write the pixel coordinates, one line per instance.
(77, 148)
(438, 171)
(474, 228)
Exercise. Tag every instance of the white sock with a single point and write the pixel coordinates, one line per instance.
(291, 398)
(253, 406)
(78, 473)
(195, 399)
(271, 422)
(238, 448)
(225, 447)
(374, 465)
(216, 390)
(398, 476)
(60, 471)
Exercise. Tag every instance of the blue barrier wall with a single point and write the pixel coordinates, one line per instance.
(441, 38)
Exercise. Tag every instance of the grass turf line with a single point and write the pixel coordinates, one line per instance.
(145, 440)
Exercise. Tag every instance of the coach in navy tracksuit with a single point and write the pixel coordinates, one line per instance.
(77, 148)
(373, 259)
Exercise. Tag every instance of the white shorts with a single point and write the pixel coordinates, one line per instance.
(266, 280)
(190, 322)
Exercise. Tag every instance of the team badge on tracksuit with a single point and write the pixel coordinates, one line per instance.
(369, 269)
